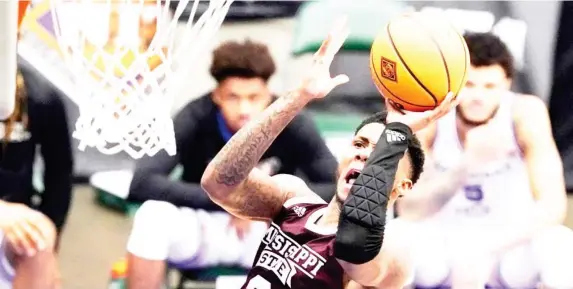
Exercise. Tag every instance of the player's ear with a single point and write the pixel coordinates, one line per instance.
(216, 95)
(402, 187)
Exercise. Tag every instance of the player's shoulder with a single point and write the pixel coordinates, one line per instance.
(193, 113)
(201, 104)
(531, 121)
(297, 191)
(527, 106)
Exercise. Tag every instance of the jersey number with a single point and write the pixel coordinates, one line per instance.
(259, 283)
(473, 193)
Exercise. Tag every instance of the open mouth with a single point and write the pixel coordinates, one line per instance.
(351, 176)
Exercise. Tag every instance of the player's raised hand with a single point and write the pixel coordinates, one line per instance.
(420, 120)
(318, 82)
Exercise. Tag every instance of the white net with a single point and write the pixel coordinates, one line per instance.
(129, 58)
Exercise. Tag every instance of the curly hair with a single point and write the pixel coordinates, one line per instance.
(249, 59)
(414, 152)
(487, 49)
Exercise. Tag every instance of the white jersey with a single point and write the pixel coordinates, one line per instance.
(499, 193)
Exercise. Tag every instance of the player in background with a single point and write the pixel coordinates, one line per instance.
(39, 121)
(29, 237)
(312, 244)
(490, 205)
(27, 246)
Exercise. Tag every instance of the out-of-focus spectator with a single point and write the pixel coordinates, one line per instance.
(193, 236)
(39, 120)
(489, 208)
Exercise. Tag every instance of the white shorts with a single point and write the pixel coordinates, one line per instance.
(434, 248)
(7, 272)
(189, 238)
(218, 242)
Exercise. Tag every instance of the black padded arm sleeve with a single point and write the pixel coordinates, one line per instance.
(363, 215)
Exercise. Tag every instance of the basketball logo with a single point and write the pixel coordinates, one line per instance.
(388, 69)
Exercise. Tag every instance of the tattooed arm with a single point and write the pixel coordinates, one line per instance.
(231, 179)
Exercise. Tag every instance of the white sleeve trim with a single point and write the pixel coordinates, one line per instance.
(303, 200)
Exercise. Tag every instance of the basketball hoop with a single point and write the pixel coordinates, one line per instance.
(129, 58)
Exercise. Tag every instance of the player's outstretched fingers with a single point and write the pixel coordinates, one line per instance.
(452, 99)
(392, 107)
(319, 54)
(340, 36)
(333, 42)
(339, 80)
(445, 106)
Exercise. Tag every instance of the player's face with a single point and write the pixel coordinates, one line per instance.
(354, 160)
(483, 91)
(241, 99)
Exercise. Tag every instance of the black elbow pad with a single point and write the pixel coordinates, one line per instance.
(363, 215)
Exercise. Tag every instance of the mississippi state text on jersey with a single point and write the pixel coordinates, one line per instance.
(295, 252)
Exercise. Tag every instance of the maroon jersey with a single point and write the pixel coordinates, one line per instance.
(295, 253)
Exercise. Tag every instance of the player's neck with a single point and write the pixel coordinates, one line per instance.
(462, 128)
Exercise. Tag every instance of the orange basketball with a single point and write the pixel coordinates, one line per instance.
(417, 59)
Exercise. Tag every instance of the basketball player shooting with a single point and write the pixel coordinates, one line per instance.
(490, 205)
(312, 244)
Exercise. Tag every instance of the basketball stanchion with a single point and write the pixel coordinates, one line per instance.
(129, 59)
